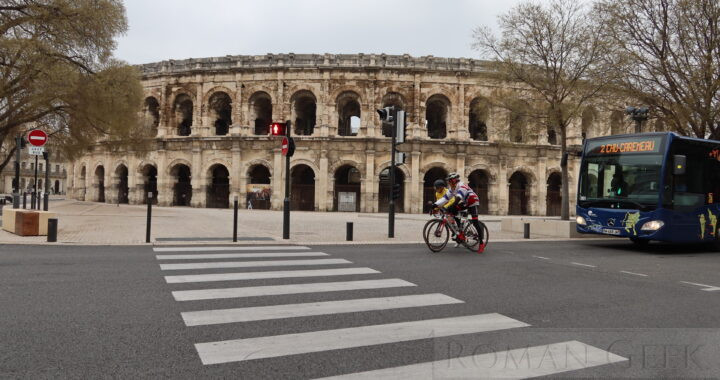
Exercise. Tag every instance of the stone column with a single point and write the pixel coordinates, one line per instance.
(165, 181)
(502, 189)
(236, 189)
(321, 184)
(198, 178)
(541, 186)
(368, 188)
(132, 179)
(198, 127)
(415, 194)
(278, 186)
(460, 165)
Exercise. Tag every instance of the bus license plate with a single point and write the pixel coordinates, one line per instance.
(610, 231)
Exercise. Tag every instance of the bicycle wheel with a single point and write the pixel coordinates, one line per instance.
(471, 237)
(436, 235)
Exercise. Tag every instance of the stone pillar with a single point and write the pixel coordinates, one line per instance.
(132, 179)
(278, 186)
(415, 194)
(235, 173)
(198, 178)
(197, 128)
(321, 184)
(370, 192)
(460, 165)
(541, 175)
(502, 189)
(242, 190)
(165, 181)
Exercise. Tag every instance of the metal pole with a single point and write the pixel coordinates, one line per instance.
(149, 217)
(391, 206)
(34, 193)
(47, 179)
(16, 195)
(235, 219)
(286, 201)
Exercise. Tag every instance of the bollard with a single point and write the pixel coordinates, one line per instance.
(24, 200)
(235, 219)
(52, 230)
(526, 231)
(149, 217)
(349, 232)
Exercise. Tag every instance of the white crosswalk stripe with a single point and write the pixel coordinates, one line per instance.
(316, 341)
(252, 264)
(246, 314)
(523, 362)
(272, 290)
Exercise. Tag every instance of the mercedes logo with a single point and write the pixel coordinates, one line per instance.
(611, 222)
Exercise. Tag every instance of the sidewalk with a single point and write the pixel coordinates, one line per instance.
(100, 223)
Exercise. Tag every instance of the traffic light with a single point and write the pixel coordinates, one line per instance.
(401, 127)
(386, 114)
(278, 129)
(396, 191)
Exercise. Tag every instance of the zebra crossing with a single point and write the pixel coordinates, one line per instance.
(259, 263)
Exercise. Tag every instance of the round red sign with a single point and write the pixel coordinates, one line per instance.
(285, 146)
(37, 137)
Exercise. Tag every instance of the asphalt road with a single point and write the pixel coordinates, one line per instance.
(591, 309)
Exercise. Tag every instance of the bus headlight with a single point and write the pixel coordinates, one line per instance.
(652, 225)
(580, 221)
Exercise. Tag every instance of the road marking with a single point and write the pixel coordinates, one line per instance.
(317, 341)
(708, 288)
(271, 290)
(541, 257)
(633, 273)
(252, 264)
(239, 255)
(245, 248)
(265, 275)
(583, 265)
(511, 364)
(261, 313)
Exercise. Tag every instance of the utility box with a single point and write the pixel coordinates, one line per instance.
(347, 201)
(27, 223)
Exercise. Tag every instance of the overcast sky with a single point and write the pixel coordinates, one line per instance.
(178, 29)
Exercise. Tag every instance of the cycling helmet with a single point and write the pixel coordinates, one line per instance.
(439, 183)
(453, 177)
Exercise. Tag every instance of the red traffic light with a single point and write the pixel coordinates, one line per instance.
(277, 129)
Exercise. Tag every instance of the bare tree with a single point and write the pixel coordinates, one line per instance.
(551, 49)
(666, 53)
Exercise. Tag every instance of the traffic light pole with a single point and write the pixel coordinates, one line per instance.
(286, 201)
(391, 206)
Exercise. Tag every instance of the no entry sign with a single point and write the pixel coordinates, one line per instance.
(288, 146)
(37, 137)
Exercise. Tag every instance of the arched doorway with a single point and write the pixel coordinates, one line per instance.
(477, 119)
(304, 109)
(478, 181)
(302, 192)
(436, 116)
(385, 190)
(519, 194)
(554, 196)
(122, 184)
(218, 192)
(149, 174)
(259, 190)
(428, 185)
(57, 187)
(100, 181)
(221, 111)
(183, 114)
(151, 115)
(182, 189)
(261, 112)
(347, 189)
(348, 106)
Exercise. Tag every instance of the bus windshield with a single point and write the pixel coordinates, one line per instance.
(630, 181)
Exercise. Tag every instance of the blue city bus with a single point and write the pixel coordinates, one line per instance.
(650, 186)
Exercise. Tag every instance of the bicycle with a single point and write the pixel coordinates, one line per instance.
(436, 231)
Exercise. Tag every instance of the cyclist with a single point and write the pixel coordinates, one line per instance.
(461, 197)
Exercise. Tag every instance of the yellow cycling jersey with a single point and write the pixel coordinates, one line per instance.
(440, 194)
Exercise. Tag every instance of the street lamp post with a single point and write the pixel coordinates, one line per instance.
(639, 114)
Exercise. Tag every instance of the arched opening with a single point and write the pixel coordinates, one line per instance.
(123, 190)
(100, 181)
(437, 109)
(151, 115)
(221, 110)
(348, 105)
(428, 185)
(396, 100)
(218, 192)
(554, 196)
(302, 192)
(259, 190)
(589, 116)
(183, 114)
(478, 181)
(57, 187)
(261, 112)
(519, 194)
(385, 190)
(616, 123)
(304, 109)
(347, 189)
(149, 174)
(517, 119)
(182, 189)
(478, 116)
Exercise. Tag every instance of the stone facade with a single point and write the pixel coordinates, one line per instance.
(211, 116)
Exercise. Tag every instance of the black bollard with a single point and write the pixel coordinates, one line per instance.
(149, 217)
(24, 200)
(526, 232)
(52, 230)
(235, 219)
(349, 233)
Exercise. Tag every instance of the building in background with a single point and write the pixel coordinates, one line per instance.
(58, 175)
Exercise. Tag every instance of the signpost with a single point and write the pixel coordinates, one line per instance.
(288, 149)
(37, 139)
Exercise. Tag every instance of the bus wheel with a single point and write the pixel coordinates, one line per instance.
(640, 242)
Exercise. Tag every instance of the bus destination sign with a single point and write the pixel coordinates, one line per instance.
(637, 144)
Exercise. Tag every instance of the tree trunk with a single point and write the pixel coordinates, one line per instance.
(565, 193)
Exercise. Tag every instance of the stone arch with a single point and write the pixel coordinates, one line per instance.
(254, 89)
(397, 100)
(553, 198)
(527, 171)
(218, 185)
(589, 119)
(144, 163)
(430, 175)
(492, 178)
(446, 166)
(151, 114)
(438, 109)
(183, 110)
(258, 161)
(340, 91)
(302, 193)
(207, 171)
(259, 185)
(303, 104)
(219, 107)
(479, 180)
(347, 181)
(616, 123)
(146, 173)
(518, 117)
(209, 93)
(175, 162)
(386, 164)
(260, 111)
(337, 164)
(304, 161)
(180, 171)
(121, 182)
(478, 117)
(348, 104)
(99, 182)
(385, 190)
